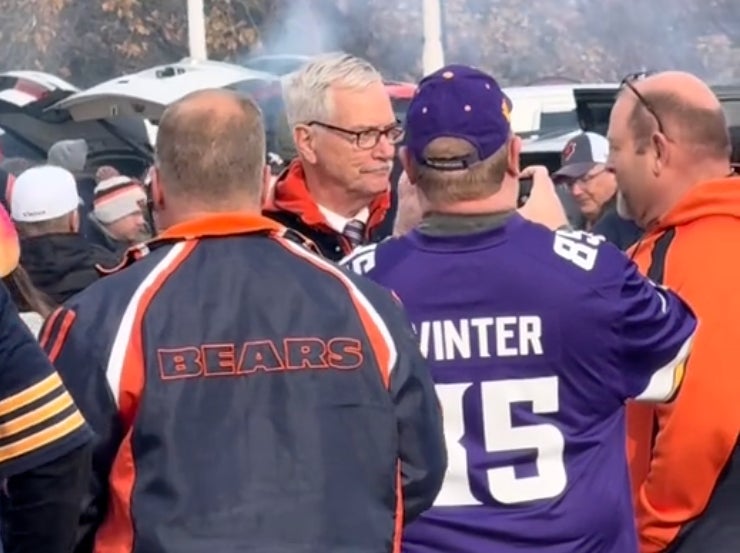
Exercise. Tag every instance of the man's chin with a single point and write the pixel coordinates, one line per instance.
(377, 184)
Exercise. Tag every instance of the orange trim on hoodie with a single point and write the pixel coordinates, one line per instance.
(678, 451)
(291, 194)
(220, 224)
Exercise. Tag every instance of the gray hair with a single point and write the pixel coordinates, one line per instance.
(306, 91)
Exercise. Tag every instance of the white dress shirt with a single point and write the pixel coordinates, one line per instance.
(338, 222)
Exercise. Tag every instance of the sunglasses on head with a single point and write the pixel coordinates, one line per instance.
(629, 82)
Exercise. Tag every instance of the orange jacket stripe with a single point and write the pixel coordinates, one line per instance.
(126, 376)
(47, 436)
(383, 347)
(677, 452)
(37, 416)
(48, 326)
(30, 394)
(61, 335)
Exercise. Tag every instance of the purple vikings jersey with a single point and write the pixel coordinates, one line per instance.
(535, 340)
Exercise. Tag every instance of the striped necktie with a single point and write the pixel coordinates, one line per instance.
(354, 231)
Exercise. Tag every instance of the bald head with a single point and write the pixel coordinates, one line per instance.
(689, 88)
(211, 148)
(683, 108)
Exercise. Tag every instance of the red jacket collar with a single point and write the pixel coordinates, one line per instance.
(290, 194)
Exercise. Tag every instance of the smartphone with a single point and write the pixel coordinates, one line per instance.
(525, 189)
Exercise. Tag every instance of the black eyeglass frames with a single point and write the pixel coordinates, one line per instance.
(366, 139)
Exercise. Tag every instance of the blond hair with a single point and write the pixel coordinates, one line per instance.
(481, 180)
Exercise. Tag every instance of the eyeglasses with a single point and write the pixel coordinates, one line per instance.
(585, 179)
(369, 138)
(629, 81)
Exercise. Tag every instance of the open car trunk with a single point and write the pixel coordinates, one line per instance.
(146, 94)
(141, 98)
(32, 126)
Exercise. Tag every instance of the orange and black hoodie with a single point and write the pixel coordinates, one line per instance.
(290, 203)
(683, 456)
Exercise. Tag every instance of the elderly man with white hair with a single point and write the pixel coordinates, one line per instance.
(337, 192)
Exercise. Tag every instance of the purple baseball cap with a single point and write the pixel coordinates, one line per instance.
(458, 101)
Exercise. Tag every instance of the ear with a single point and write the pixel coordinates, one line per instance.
(662, 153)
(408, 165)
(266, 190)
(157, 194)
(512, 155)
(305, 143)
(74, 221)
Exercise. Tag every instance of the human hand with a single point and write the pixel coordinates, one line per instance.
(543, 205)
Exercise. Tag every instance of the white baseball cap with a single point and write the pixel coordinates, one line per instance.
(43, 193)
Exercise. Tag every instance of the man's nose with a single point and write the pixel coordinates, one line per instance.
(384, 149)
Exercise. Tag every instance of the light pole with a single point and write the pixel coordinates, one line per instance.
(433, 56)
(197, 30)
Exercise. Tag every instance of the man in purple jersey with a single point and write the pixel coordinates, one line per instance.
(535, 338)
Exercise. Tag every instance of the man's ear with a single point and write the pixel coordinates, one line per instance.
(305, 143)
(74, 221)
(513, 153)
(266, 190)
(662, 153)
(408, 165)
(156, 192)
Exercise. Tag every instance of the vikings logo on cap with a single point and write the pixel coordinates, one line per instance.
(506, 110)
(10, 250)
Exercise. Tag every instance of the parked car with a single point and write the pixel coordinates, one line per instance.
(143, 96)
(17, 90)
(593, 107)
(546, 110)
(32, 122)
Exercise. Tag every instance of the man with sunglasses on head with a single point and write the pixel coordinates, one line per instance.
(670, 152)
(594, 189)
(337, 191)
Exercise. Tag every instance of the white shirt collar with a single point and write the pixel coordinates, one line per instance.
(338, 222)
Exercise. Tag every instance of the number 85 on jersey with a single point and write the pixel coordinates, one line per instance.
(484, 443)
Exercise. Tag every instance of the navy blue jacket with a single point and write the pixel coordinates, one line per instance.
(249, 396)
